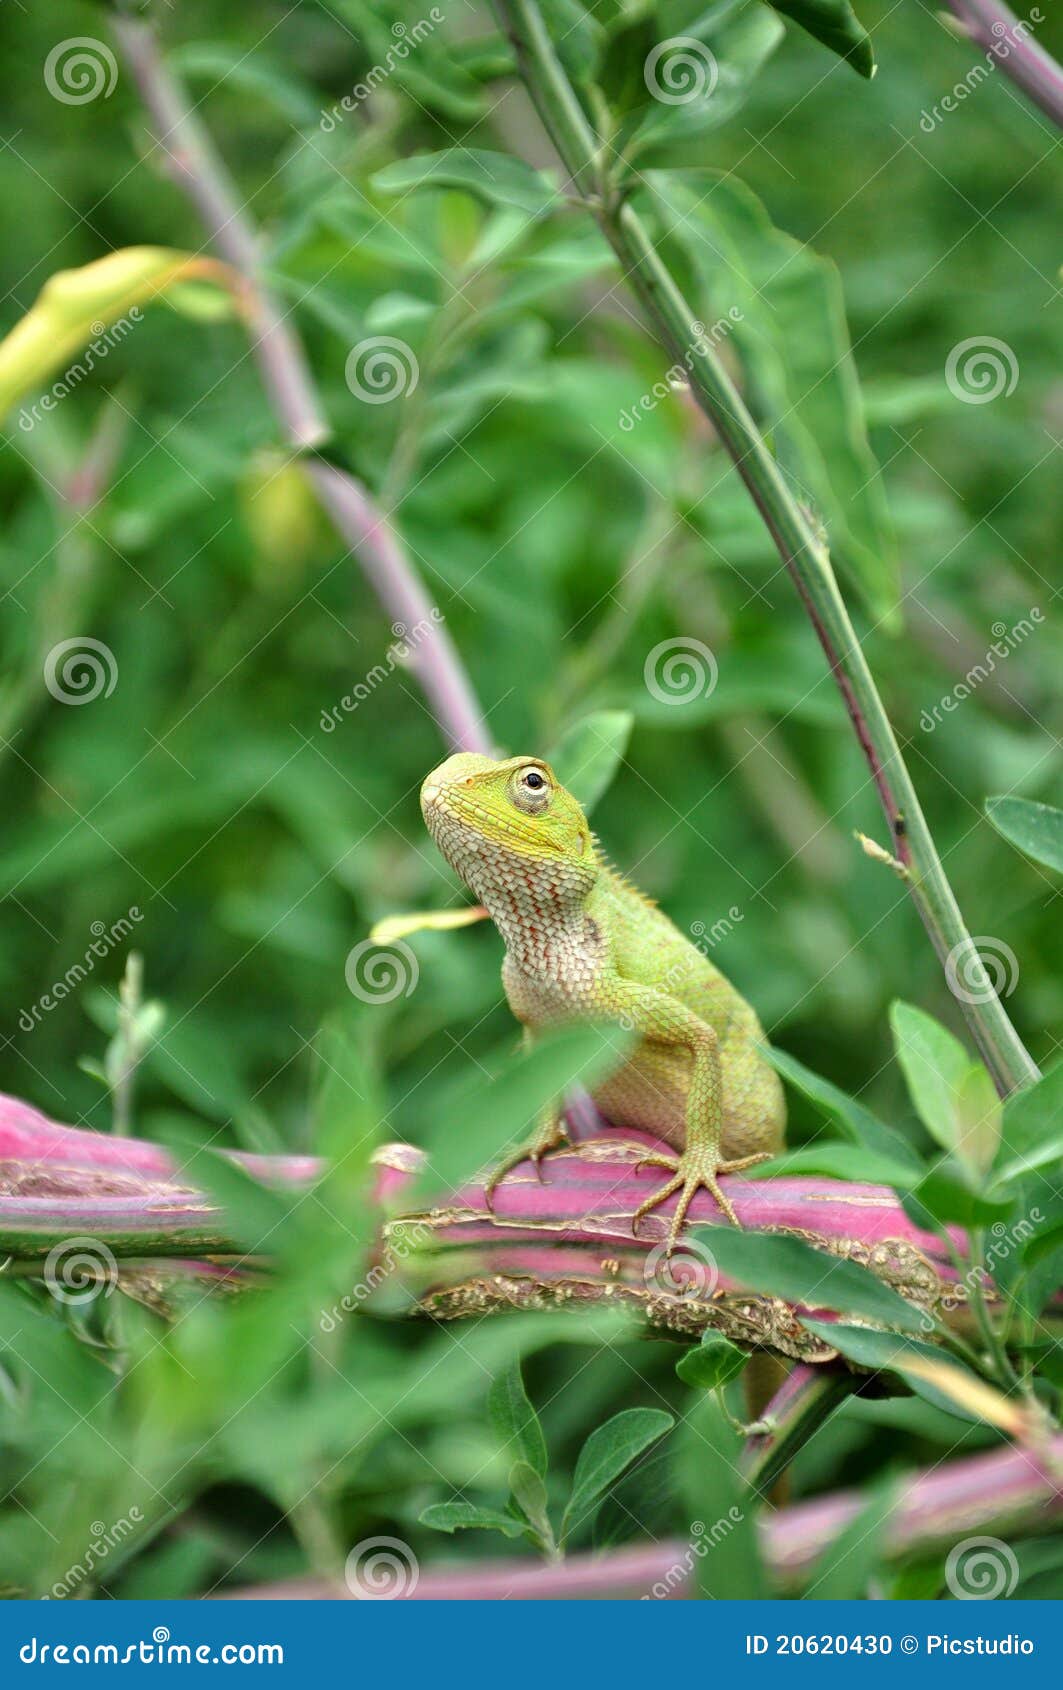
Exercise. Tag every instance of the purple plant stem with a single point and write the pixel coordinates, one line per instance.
(993, 26)
(1003, 1491)
(199, 171)
(130, 1225)
(1007, 1490)
(32, 1140)
(805, 1399)
(592, 1190)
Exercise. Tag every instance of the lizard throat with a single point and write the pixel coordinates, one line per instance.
(536, 902)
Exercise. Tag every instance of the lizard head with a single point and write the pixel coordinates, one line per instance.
(511, 831)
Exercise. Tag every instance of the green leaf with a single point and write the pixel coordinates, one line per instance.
(495, 178)
(947, 1196)
(845, 1569)
(1032, 1130)
(938, 1378)
(789, 1268)
(724, 1553)
(587, 757)
(458, 1516)
(608, 1451)
(835, 1160)
(791, 336)
(954, 1096)
(578, 37)
(851, 1117)
(694, 78)
(529, 1493)
(1036, 829)
(835, 24)
(715, 1361)
(515, 1420)
(434, 75)
(256, 73)
(472, 1121)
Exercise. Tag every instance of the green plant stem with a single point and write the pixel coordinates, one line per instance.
(990, 1336)
(801, 548)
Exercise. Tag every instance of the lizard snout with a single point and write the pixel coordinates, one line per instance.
(462, 768)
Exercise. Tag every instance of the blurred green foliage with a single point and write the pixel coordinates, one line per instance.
(257, 847)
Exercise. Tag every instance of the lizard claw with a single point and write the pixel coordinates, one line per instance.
(694, 1170)
(545, 1139)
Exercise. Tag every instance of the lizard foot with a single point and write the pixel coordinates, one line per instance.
(549, 1136)
(694, 1170)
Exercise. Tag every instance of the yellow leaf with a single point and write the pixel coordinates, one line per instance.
(433, 921)
(97, 303)
(972, 1394)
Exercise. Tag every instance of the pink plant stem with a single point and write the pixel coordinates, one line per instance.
(998, 31)
(199, 171)
(1003, 1491)
(806, 1398)
(29, 1138)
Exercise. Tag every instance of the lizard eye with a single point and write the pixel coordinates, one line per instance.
(531, 791)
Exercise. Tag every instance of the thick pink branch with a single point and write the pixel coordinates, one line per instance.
(1005, 1491)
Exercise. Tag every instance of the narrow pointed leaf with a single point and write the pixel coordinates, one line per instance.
(515, 1420)
(848, 1114)
(836, 25)
(529, 1493)
(946, 1384)
(77, 307)
(459, 1516)
(608, 1452)
(393, 927)
(789, 1268)
(954, 1096)
(496, 178)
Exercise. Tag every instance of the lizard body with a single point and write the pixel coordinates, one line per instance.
(583, 944)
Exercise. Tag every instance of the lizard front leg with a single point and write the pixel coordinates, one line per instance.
(659, 1017)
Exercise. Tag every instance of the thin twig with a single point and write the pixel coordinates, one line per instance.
(801, 548)
(198, 170)
(1006, 41)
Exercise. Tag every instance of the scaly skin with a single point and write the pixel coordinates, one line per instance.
(581, 944)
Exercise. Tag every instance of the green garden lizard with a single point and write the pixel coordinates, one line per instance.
(582, 944)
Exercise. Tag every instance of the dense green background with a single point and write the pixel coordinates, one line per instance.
(260, 849)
